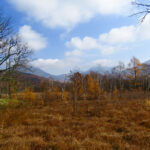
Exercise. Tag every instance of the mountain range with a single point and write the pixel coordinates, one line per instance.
(41, 73)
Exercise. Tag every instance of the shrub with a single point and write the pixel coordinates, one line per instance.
(147, 101)
(30, 96)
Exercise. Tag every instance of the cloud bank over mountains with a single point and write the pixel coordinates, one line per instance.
(117, 39)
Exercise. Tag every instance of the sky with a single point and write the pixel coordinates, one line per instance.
(70, 35)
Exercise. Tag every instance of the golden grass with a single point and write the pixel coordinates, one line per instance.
(98, 125)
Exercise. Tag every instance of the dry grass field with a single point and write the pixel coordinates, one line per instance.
(98, 125)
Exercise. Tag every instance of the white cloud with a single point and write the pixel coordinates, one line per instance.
(144, 29)
(34, 40)
(127, 34)
(82, 46)
(121, 35)
(73, 53)
(68, 13)
(54, 66)
(117, 39)
(108, 50)
(57, 66)
(85, 44)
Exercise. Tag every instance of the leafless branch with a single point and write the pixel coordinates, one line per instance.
(144, 10)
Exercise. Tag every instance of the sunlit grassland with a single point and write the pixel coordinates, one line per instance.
(98, 125)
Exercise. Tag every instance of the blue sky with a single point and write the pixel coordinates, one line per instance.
(70, 34)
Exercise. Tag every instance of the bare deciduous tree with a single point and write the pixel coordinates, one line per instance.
(14, 54)
(5, 27)
(17, 56)
(144, 8)
(5, 33)
(76, 80)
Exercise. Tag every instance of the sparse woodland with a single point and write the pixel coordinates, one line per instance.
(119, 84)
(90, 111)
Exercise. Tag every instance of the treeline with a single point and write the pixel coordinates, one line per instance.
(92, 86)
(134, 77)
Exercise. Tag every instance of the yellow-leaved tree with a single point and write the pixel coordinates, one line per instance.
(30, 96)
(134, 71)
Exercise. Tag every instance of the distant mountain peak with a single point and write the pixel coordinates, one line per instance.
(147, 62)
(100, 69)
(62, 77)
(39, 72)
